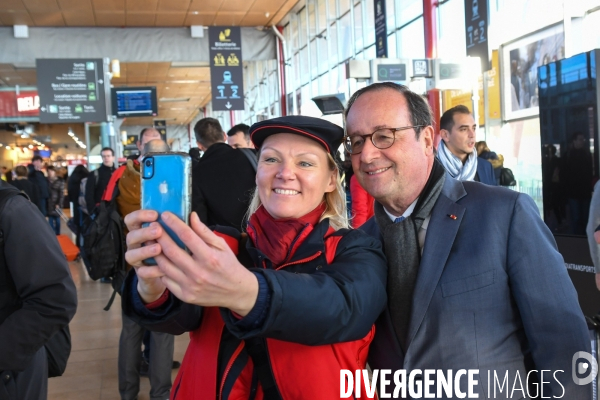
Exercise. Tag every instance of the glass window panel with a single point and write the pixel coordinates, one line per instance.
(408, 10)
(312, 19)
(314, 57)
(305, 98)
(344, 6)
(392, 46)
(452, 42)
(304, 67)
(358, 28)
(334, 79)
(390, 15)
(314, 87)
(411, 40)
(322, 14)
(333, 45)
(324, 85)
(323, 54)
(302, 27)
(332, 15)
(369, 24)
(346, 37)
(297, 71)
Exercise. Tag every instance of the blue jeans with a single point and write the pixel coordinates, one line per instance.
(55, 224)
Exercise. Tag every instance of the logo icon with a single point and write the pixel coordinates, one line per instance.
(163, 188)
(227, 77)
(580, 367)
(224, 35)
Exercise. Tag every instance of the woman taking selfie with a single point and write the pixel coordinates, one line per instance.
(275, 313)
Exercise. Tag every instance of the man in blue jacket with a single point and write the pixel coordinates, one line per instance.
(456, 150)
(475, 281)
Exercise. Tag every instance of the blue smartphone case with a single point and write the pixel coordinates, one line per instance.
(166, 186)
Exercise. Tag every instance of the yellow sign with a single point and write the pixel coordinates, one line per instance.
(224, 35)
(219, 60)
(493, 90)
(453, 98)
(232, 60)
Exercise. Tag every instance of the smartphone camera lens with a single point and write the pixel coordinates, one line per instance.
(148, 163)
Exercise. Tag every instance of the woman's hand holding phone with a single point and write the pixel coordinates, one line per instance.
(211, 275)
(150, 285)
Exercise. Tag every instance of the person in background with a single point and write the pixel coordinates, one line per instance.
(37, 297)
(285, 307)
(98, 180)
(4, 173)
(593, 231)
(23, 184)
(223, 179)
(73, 192)
(362, 203)
(37, 177)
(239, 138)
(456, 150)
(577, 175)
(57, 189)
(9, 176)
(497, 160)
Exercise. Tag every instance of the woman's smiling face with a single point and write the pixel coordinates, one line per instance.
(293, 175)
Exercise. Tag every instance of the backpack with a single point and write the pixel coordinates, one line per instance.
(251, 156)
(58, 346)
(507, 178)
(81, 199)
(103, 240)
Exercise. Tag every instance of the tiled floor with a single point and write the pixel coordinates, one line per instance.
(92, 369)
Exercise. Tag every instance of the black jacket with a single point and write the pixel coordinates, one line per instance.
(38, 178)
(222, 185)
(27, 187)
(93, 191)
(37, 295)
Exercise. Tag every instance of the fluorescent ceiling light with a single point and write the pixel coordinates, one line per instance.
(173, 99)
(189, 64)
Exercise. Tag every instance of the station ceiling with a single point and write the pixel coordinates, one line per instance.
(183, 90)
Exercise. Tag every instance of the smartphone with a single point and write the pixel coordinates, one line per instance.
(166, 186)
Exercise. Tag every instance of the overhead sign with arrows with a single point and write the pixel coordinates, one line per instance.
(226, 70)
(71, 90)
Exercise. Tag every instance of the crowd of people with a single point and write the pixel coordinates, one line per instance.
(448, 270)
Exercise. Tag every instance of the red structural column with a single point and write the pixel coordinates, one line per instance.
(430, 31)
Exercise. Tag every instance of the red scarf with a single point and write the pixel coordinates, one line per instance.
(279, 238)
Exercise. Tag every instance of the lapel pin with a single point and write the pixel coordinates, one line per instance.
(452, 216)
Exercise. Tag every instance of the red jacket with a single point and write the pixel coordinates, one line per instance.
(323, 305)
(362, 203)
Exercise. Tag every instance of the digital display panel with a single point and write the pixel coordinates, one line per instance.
(134, 102)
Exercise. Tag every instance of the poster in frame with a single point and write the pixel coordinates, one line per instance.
(519, 62)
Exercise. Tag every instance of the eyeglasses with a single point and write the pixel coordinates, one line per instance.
(381, 138)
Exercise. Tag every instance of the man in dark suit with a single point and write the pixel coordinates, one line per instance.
(475, 280)
(98, 180)
(223, 180)
(457, 151)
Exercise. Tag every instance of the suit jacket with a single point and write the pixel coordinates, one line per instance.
(222, 185)
(485, 172)
(492, 294)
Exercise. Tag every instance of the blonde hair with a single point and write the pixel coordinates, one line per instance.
(335, 201)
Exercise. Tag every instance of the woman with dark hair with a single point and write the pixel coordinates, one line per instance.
(73, 190)
(56, 188)
(277, 312)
